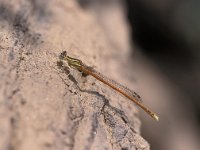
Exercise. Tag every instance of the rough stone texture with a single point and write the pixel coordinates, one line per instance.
(44, 107)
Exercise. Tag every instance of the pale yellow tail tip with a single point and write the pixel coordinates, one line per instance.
(156, 117)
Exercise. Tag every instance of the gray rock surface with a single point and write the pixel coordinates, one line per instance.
(44, 107)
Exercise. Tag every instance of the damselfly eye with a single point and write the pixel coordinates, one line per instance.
(63, 55)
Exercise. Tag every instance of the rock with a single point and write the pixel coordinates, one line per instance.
(45, 107)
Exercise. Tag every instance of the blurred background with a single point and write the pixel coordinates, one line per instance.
(165, 42)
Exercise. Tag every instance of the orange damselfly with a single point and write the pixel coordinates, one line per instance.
(131, 95)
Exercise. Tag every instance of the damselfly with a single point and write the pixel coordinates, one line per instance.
(131, 95)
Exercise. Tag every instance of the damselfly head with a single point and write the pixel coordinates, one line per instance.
(63, 55)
